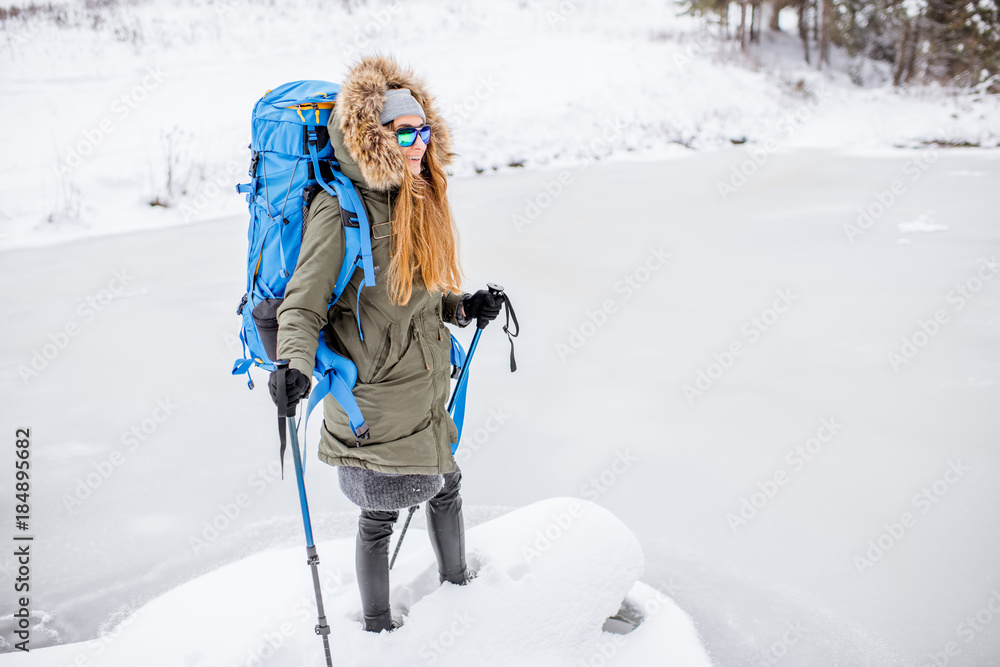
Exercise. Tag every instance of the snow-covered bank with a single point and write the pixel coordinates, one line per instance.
(549, 576)
(170, 87)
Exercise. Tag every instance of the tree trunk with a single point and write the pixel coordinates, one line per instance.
(773, 23)
(911, 61)
(804, 27)
(755, 22)
(815, 20)
(824, 17)
(743, 25)
(902, 54)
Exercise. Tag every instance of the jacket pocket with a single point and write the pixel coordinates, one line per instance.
(381, 358)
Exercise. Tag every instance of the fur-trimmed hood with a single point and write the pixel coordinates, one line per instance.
(356, 118)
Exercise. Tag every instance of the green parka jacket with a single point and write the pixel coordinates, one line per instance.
(402, 352)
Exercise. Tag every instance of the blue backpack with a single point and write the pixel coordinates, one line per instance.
(291, 159)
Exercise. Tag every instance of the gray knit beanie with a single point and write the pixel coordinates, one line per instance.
(399, 102)
(372, 490)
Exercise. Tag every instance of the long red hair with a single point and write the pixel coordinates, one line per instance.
(425, 238)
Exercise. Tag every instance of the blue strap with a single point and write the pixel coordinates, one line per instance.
(314, 157)
(352, 238)
(264, 204)
(359, 240)
(332, 383)
(337, 375)
(357, 311)
(456, 407)
(241, 366)
(367, 263)
(457, 353)
(252, 283)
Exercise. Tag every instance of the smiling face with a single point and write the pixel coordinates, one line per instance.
(413, 154)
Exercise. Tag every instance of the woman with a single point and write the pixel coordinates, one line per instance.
(392, 143)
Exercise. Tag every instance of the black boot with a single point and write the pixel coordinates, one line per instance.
(372, 563)
(447, 530)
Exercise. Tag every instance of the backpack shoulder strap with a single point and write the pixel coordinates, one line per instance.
(336, 374)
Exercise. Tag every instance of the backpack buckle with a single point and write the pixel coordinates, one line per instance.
(361, 433)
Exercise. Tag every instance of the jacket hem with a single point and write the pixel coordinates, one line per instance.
(392, 470)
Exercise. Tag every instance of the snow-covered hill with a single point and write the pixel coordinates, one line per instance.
(549, 576)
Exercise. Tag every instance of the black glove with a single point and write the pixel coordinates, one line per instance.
(482, 307)
(297, 387)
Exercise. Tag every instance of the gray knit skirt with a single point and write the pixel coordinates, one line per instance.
(372, 490)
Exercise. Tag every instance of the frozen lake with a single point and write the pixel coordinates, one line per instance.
(783, 379)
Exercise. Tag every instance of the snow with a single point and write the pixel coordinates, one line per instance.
(172, 85)
(143, 444)
(925, 223)
(608, 422)
(549, 576)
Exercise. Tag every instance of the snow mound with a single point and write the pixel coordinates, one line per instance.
(925, 223)
(550, 575)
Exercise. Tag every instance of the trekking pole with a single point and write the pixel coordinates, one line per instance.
(497, 292)
(312, 558)
(402, 534)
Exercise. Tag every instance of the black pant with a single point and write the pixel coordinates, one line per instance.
(447, 532)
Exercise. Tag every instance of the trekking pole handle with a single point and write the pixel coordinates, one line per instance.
(496, 291)
(282, 368)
